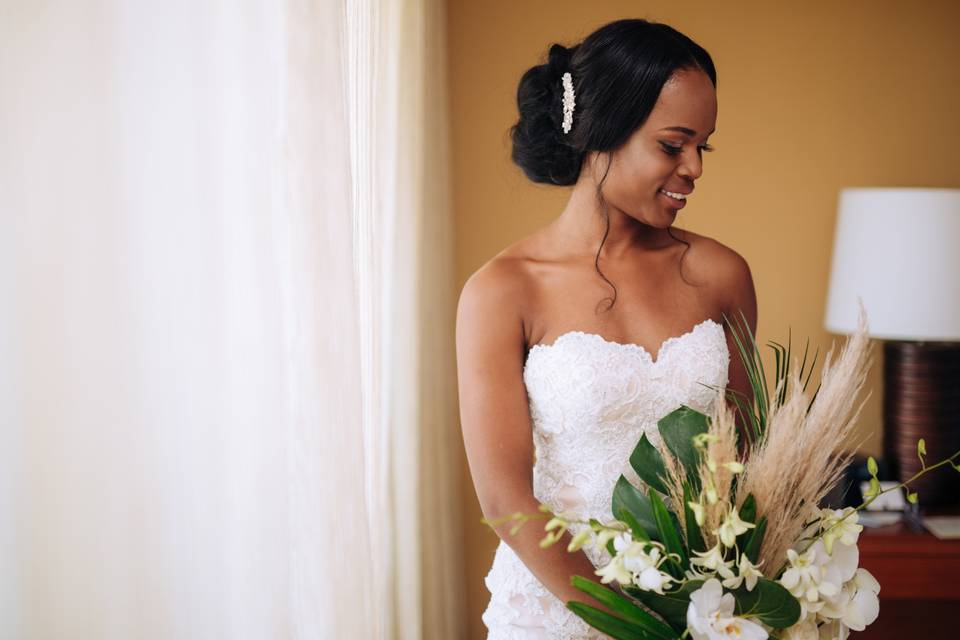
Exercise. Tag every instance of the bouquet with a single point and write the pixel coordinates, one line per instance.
(728, 540)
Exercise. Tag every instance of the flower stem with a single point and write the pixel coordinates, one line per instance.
(870, 500)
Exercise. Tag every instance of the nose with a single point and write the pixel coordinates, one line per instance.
(691, 168)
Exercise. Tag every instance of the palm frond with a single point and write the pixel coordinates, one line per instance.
(756, 410)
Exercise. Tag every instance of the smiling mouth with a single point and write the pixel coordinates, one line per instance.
(676, 203)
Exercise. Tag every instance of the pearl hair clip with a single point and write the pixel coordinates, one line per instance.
(568, 102)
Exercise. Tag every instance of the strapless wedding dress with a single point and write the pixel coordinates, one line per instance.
(590, 401)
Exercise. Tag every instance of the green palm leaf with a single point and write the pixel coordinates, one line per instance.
(625, 608)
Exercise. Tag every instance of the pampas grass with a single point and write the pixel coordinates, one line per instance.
(673, 481)
(805, 444)
(721, 448)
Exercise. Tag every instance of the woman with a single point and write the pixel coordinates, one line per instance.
(574, 341)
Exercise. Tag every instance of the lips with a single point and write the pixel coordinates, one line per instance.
(673, 202)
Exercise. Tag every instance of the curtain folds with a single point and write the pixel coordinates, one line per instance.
(225, 322)
(401, 180)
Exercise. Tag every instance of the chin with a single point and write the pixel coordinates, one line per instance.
(668, 217)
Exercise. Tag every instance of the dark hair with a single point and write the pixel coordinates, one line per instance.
(618, 72)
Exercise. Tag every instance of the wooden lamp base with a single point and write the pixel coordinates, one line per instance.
(922, 400)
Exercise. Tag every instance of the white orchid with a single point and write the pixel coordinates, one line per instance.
(698, 513)
(839, 566)
(652, 579)
(835, 630)
(829, 583)
(605, 535)
(734, 467)
(636, 557)
(614, 570)
(746, 572)
(637, 563)
(580, 539)
(711, 559)
(804, 629)
(840, 524)
(803, 580)
(622, 541)
(732, 527)
(857, 605)
(710, 616)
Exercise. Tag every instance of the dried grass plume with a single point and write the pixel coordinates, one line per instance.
(806, 446)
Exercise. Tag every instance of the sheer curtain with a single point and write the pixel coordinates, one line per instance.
(224, 316)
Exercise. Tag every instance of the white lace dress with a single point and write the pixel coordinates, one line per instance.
(590, 400)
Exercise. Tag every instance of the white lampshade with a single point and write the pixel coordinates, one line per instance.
(899, 250)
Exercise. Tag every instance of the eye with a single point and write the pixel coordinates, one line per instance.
(675, 150)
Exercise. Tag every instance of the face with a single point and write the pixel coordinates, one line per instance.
(665, 153)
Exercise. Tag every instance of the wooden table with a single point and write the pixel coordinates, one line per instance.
(919, 579)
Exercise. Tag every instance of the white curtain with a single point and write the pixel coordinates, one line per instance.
(224, 315)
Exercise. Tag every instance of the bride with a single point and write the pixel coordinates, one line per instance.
(575, 340)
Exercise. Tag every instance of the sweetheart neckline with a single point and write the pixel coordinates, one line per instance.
(626, 345)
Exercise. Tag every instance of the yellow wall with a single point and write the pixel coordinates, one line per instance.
(813, 96)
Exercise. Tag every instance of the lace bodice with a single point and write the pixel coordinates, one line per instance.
(590, 400)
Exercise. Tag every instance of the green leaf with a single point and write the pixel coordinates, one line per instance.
(812, 364)
(921, 447)
(745, 409)
(648, 463)
(753, 366)
(769, 602)
(748, 513)
(912, 497)
(694, 535)
(668, 530)
(677, 429)
(671, 606)
(624, 607)
(754, 542)
(778, 354)
(611, 625)
(636, 529)
(631, 506)
(748, 509)
(872, 466)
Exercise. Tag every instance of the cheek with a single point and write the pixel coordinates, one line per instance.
(643, 177)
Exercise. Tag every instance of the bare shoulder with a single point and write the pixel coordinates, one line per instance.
(726, 271)
(714, 258)
(492, 301)
(501, 285)
(505, 285)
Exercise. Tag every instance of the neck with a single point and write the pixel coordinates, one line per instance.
(581, 225)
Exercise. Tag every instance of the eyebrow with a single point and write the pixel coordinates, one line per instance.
(689, 132)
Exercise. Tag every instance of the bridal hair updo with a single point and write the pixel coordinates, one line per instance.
(618, 72)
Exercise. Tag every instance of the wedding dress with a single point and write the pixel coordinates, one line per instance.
(590, 401)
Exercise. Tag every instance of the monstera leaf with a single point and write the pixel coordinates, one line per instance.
(677, 429)
(631, 506)
(648, 463)
(769, 602)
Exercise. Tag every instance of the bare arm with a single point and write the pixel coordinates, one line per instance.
(495, 420)
(741, 297)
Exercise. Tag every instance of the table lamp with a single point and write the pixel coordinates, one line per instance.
(899, 250)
